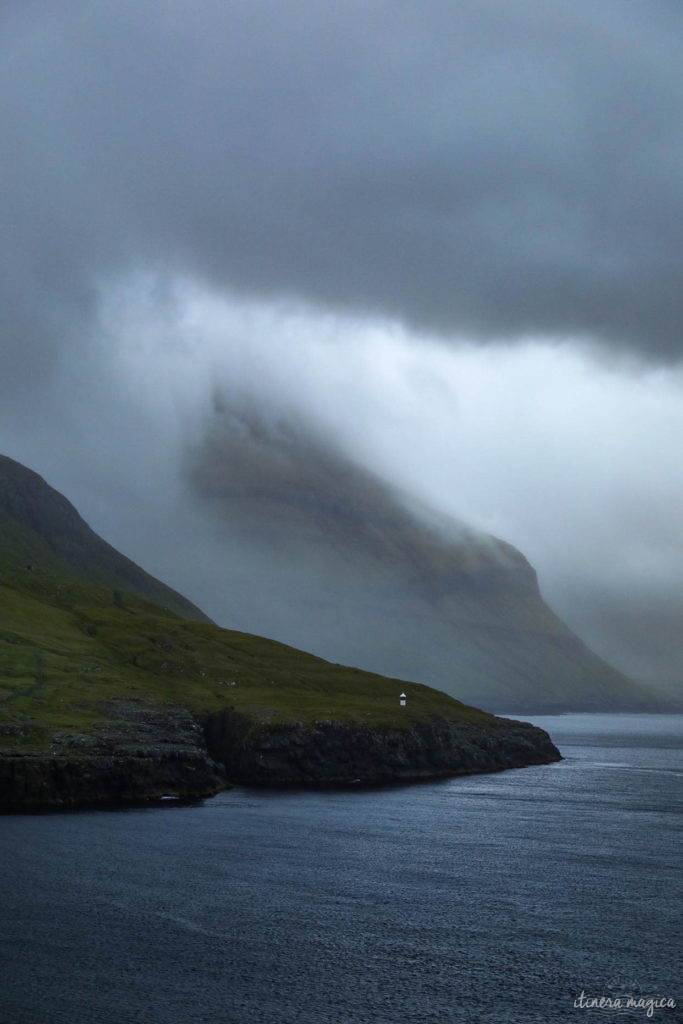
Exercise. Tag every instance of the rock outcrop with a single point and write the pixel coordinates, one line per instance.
(142, 754)
(338, 753)
(33, 782)
(145, 755)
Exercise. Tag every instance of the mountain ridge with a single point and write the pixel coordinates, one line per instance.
(39, 527)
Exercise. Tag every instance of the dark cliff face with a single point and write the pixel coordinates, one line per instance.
(142, 754)
(35, 782)
(146, 754)
(336, 753)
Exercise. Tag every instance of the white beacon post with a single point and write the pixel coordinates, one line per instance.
(402, 700)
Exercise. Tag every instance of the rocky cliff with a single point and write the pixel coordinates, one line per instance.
(139, 754)
(144, 755)
(336, 753)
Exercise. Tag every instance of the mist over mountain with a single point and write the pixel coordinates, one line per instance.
(321, 554)
(316, 552)
(449, 235)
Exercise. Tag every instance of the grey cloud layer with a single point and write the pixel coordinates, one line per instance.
(474, 167)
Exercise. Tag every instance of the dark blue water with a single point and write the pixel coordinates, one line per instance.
(493, 898)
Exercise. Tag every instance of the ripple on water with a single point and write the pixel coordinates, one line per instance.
(484, 898)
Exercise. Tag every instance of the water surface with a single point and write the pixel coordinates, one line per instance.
(492, 898)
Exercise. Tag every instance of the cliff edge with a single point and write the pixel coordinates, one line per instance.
(146, 754)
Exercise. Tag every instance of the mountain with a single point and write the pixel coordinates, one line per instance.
(325, 556)
(107, 697)
(41, 530)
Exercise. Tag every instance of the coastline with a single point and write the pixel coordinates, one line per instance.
(171, 754)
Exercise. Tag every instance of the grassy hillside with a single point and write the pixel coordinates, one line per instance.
(67, 648)
(41, 529)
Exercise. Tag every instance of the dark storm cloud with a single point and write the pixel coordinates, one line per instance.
(473, 167)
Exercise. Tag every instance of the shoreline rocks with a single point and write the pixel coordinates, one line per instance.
(337, 753)
(144, 754)
(35, 782)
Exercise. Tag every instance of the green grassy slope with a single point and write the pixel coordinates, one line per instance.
(40, 528)
(68, 647)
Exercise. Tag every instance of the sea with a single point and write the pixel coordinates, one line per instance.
(523, 896)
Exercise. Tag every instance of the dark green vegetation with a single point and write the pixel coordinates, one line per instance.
(67, 649)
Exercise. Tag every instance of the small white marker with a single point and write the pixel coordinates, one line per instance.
(402, 700)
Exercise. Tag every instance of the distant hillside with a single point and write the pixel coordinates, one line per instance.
(324, 556)
(41, 530)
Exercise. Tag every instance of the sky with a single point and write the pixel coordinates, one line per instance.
(442, 241)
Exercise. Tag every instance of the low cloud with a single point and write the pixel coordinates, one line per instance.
(276, 408)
